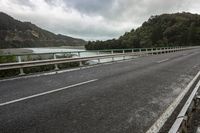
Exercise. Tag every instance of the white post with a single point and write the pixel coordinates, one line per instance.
(98, 58)
(123, 55)
(132, 54)
(140, 52)
(146, 51)
(55, 65)
(80, 63)
(112, 53)
(21, 69)
(158, 51)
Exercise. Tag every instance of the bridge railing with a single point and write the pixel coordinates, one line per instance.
(80, 56)
(183, 120)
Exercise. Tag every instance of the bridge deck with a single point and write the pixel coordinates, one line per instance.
(121, 97)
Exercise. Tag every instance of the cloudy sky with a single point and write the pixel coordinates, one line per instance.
(93, 19)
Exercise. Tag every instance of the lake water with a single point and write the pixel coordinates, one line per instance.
(83, 52)
(52, 50)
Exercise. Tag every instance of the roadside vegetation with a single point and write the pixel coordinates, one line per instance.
(179, 29)
(29, 70)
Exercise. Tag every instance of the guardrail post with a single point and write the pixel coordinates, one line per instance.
(123, 55)
(152, 51)
(113, 56)
(21, 69)
(146, 52)
(132, 55)
(80, 62)
(157, 51)
(55, 65)
(140, 52)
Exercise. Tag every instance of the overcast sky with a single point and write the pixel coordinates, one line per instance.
(93, 19)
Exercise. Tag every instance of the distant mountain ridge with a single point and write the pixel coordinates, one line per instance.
(17, 34)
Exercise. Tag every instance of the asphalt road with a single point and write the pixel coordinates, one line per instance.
(123, 97)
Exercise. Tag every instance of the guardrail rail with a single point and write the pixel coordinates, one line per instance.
(183, 120)
(101, 54)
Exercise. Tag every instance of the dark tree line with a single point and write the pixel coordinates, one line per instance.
(179, 29)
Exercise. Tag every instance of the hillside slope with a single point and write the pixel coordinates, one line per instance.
(178, 29)
(17, 34)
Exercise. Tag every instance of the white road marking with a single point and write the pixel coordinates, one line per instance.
(45, 93)
(155, 128)
(162, 60)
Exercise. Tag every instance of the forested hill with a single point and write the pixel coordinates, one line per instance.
(16, 34)
(179, 29)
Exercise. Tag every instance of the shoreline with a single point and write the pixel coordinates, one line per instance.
(11, 51)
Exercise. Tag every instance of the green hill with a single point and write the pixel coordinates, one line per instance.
(17, 34)
(179, 29)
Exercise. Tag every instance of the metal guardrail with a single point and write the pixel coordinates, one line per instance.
(184, 117)
(97, 51)
(113, 53)
(181, 122)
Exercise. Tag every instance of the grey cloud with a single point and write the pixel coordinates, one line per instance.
(91, 7)
(24, 3)
(94, 19)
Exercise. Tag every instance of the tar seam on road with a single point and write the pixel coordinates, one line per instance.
(162, 60)
(45, 93)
